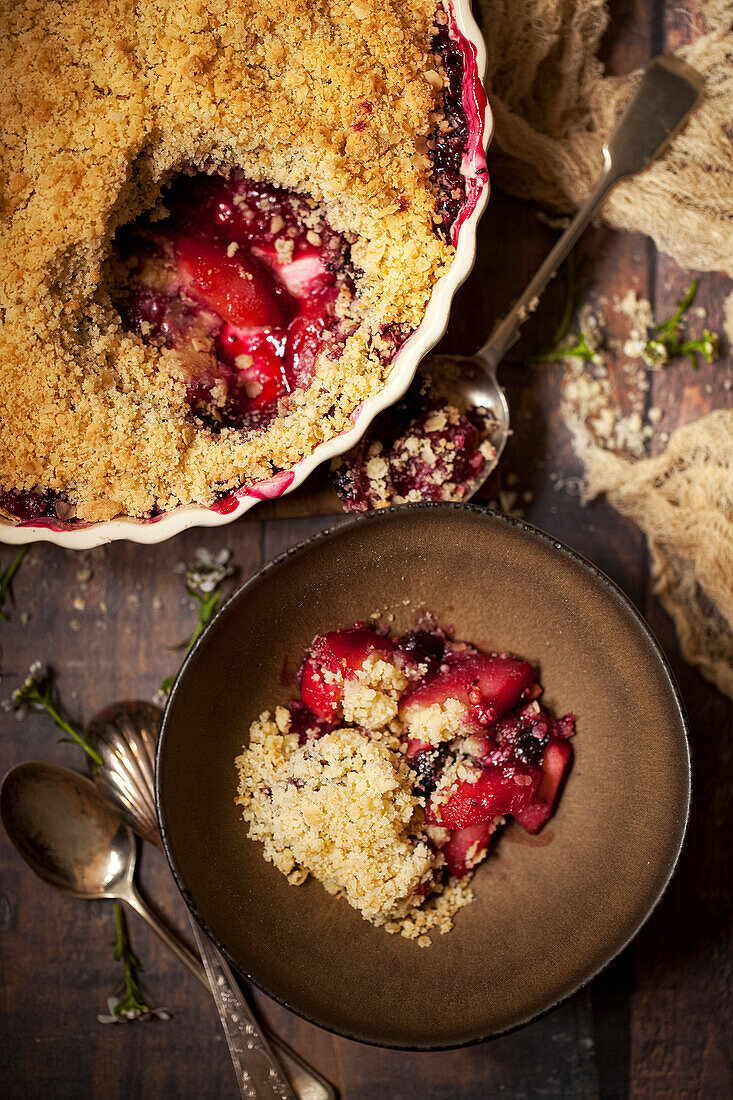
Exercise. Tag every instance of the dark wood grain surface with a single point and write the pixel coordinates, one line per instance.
(657, 1023)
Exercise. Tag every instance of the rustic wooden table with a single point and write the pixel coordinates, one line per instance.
(656, 1023)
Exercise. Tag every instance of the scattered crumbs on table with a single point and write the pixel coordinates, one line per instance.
(728, 318)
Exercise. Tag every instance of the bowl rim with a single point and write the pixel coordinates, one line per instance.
(376, 518)
(402, 371)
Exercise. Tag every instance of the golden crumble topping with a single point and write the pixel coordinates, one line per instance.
(436, 722)
(102, 105)
(342, 808)
(371, 698)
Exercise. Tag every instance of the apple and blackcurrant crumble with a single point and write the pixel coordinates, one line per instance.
(220, 221)
(388, 779)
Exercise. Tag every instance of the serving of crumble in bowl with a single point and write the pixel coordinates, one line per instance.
(225, 250)
(436, 722)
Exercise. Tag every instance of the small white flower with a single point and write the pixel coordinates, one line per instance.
(112, 1003)
(207, 571)
(205, 582)
(203, 556)
(134, 1014)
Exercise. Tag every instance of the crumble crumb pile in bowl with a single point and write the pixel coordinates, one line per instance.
(389, 777)
(217, 236)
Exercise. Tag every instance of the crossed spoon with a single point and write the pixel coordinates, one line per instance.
(67, 831)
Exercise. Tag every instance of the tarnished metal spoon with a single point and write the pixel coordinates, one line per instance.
(125, 735)
(73, 839)
(667, 93)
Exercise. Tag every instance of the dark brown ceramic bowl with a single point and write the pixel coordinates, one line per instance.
(550, 911)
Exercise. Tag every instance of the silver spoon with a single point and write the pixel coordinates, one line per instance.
(125, 735)
(72, 839)
(666, 95)
(75, 841)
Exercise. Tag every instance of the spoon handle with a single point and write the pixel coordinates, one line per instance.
(307, 1085)
(125, 736)
(668, 91)
(172, 942)
(256, 1067)
(506, 331)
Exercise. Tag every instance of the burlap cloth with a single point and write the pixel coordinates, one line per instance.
(553, 109)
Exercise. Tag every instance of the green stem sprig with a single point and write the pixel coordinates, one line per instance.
(562, 345)
(667, 340)
(6, 578)
(575, 348)
(207, 604)
(204, 583)
(132, 1003)
(37, 693)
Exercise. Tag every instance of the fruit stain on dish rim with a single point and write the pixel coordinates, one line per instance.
(474, 105)
(263, 490)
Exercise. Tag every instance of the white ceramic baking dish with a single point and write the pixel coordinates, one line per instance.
(82, 537)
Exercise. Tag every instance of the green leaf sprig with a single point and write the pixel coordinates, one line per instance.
(6, 578)
(564, 346)
(37, 692)
(204, 579)
(577, 347)
(132, 1003)
(668, 337)
(127, 1001)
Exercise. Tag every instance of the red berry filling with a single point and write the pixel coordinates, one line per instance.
(332, 658)
(28, 506)
(554, 762)
(507, 755)
(465, 848)
(487, 684)
(242, 279)
(239, 289)
(495, 791)
(447, 146)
